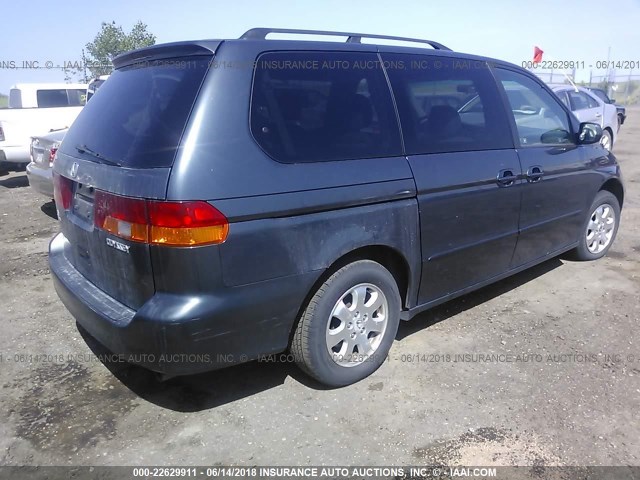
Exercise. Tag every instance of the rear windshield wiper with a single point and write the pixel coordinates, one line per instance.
(99, 156)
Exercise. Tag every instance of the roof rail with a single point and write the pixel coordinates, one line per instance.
(261, 34)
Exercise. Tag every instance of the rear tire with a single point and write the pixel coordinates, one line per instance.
(600, 227)
(347, 329)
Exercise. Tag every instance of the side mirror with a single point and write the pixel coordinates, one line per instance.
(589, 133)
(612, 101)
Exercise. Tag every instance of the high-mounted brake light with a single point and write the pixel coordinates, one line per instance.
(62, 191)
(160, 222)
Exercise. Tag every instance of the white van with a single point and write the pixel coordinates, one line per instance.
(36, 109)
(47, 95)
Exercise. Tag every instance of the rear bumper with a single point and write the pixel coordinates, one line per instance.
(182, 334)
(40, 180)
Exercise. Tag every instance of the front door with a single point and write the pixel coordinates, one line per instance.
(468, 177)
(557, 178)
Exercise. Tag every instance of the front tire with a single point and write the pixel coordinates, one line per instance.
(607, 140)
(347, 329)
(600, 228)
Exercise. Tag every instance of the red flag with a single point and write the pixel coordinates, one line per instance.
(537, 55)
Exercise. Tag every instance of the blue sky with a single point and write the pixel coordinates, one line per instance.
(38, 30)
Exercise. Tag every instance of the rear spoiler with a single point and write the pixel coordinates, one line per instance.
(167, 50)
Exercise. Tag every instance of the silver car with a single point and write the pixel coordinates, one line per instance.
(587, 107)
(43, 151)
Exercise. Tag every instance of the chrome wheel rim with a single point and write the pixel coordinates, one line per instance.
(357, 325)
(605, 141)
(600, 228)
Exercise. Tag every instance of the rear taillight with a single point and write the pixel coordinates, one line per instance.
(62, 191)
(160, 222)
(52, 155)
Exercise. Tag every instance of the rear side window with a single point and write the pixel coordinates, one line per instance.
(137, 117)
(76, 97)
(323, 106)
(15, 98)
(52, 98)
(447, 105)
(71, 97)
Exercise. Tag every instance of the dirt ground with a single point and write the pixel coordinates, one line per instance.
(551, 373)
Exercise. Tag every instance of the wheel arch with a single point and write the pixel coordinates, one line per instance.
(389, 257)
(614, 186)
(610, 130)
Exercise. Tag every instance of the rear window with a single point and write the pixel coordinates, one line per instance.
(323, 106)
(137, 117)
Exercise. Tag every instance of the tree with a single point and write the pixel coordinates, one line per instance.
(111, 41)
(76, 71)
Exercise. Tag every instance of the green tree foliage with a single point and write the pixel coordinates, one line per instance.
(111, 41)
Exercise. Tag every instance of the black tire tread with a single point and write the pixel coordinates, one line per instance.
(301, 342)
(300, 347)
(581, 252)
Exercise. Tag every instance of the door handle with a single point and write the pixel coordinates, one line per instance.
(598, 114)
(535, 174)
(506, 178)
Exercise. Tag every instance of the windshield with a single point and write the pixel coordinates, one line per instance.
(137, 117)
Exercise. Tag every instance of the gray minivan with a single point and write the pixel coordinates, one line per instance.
(222, 200)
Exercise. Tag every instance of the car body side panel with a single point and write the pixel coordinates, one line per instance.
(469, 223)
(553, 208)
(259, 250)
(285, 218)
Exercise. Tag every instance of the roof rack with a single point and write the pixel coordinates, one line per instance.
(261, 34)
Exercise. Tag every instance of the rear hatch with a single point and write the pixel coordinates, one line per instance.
(115, 159)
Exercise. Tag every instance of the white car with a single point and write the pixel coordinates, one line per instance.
(587, 107)
(35, 109)
(44, 148)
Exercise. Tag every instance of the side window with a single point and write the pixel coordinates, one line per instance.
(323, 106)
(538, 116)
(562, 95)
(52, 98)
(591, 102)
(447, 105)
(15, 98)
(581, 101)
(77, 97)
(601, 95)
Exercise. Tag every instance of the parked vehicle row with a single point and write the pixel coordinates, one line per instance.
(588, 107)
(44, 147)
(213, 215)
(35, 109)
(42, 154)
(602, 95)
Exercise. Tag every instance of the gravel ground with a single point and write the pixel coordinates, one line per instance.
(564, 388)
